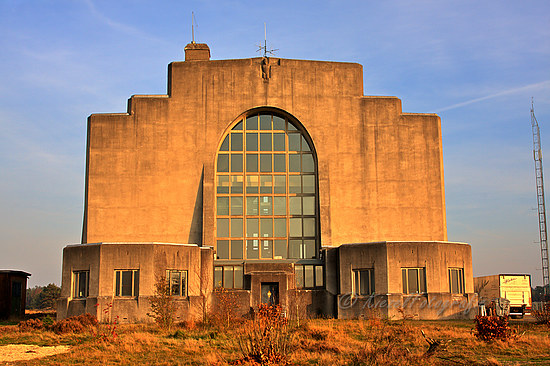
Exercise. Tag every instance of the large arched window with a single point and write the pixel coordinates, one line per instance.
(266, 191)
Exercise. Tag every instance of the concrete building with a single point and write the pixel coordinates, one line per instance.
(276, 179)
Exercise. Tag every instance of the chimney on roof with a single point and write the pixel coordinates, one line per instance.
(197, 52)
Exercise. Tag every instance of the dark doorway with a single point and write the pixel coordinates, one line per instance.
(16, 299)
(270, 293)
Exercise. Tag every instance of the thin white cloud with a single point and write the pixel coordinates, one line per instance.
(535, 86)
(124, 28)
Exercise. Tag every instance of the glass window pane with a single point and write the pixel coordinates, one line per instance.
(236, 206)
(309, 226)
(295, 205)
(222, 228)
(236, 162)
(308, 205)
(308, 183)
(222, 249)
(236, 141)
(294, 184)
(279, 205)
(454, 281)
(278, 123)
(299, 273)
(252, 206)
(307, 163)
(305, 145)
(266, 228)
(236, 228)
(223, 184)
(251, 162)
(222, 206)
(319, 280)
(265, 121)
(238, 275)
(225, 144)
(251, 142)
(136, 283)
(279, 142)
(223, 163)
(238, 126)
(252, 228)
(279, 163)
(228, 276)
(280, 227)
(308, 276)
(413, 281)
(252, 249)
(291, 127)
(279, 183)
(294, 163)
(252, 122)
(363, 282)
(265, 183)
(279, 249)
(236, 184)
(295, 249)
(294, 141)
(218, 276)
(295, 227)
(126, 283)
(265, 163)
(265, 206)
(422, 279)
(175, 283)
(236, 249)
(267, 249)
(117, 283)
(265, 142)
(252, 183)
(404, 280)
(309, 247)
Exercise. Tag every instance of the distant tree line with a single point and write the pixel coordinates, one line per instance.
(43, 297)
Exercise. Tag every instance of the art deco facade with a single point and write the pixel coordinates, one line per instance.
(276, 179)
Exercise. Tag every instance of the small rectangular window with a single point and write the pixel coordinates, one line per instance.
(456, 280)
(363, 282)
(81, 284)
(414, 280)
(177, 280)
(308, 276)
(127, 283)
(228, 276)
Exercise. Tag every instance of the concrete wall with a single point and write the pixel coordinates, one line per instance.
(387, 259)
(150, 172)
(152, 260)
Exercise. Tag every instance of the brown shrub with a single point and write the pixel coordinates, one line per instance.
(75, 324)
(490, 328)
(30, 325)
(542, 315)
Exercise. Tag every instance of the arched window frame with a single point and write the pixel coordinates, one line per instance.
(239, 230)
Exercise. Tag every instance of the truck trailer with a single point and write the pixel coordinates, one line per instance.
(516, 288)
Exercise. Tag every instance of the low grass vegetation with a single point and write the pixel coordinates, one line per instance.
(272, 340)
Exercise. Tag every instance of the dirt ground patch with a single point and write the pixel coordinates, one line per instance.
(20, 352)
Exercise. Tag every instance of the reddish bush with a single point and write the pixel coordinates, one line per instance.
(30, 325)
(543, 314)
(490, 328)
(75, 324)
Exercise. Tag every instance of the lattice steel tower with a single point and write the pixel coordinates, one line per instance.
(537, 155)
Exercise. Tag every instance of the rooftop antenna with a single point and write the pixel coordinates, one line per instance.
(264, 47)
(537, 155)
(193, 27)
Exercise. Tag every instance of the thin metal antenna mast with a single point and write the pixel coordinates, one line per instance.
(264, 47)
(537, 155)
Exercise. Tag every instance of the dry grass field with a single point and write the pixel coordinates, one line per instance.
(312, 342)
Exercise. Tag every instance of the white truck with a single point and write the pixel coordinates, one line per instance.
(516, 288)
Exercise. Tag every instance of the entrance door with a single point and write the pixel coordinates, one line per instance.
(270, 293)
(16, 299)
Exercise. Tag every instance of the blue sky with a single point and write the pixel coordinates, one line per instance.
(475, 63)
